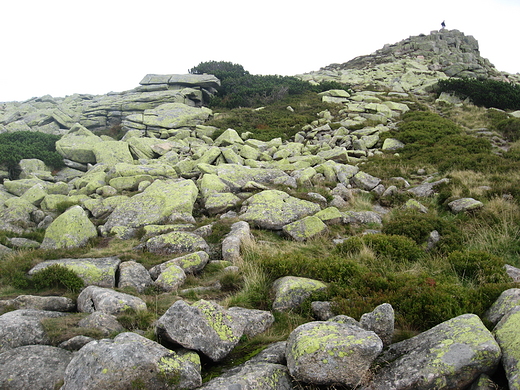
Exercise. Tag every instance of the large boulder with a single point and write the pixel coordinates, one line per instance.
(258, 321)
(171, 278)
(507, 301)
(305, 228)
(36, 302)
(204, 326)
(381, 322)
(291, 291)
(112, 152)
(35, 367)
(327, 353)
(273, 209)
(130, 361)
(16, 217)
(95, 298)
(24, 327)
(451, 355)
(177, 242)
(71, 229)
(190, 264)
(135, 275)
(78, 144)
(175, 115)
(239, 235)
(94, 271)
(254, 376)
(236, 176)
(106, 323)
(506, 334)
(161, 202)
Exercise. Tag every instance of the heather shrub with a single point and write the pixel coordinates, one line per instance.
(395, 247)
(56, 276)
(478, 267)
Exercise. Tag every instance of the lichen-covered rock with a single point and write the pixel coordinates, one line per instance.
(71, 229)
(381, 322)
(129, 183)
(175, 115)
(171, 278)
(273, 209)
(218, 203)
(507, 335)
(258, 321)
(237, 176)
(327, 353)
(43, 303)
(322, 310)
(507, 301)
(239, 235)
(252, 376)
(161, 202)
(78, 144)
(135, 275)
(365, 181)
(104, 322)
(176, 242)
(305, 228)
(24, 327)
(362, 217)
(112, 152)
(291, 291)
(392, 144)
(204, 326)
(450, 355)
(229, 137)
(35, 367)
(75, 343)
(130, 361)
(16, 217)
(94, 271)
(464, 205)
(95, 298)
(190, 264)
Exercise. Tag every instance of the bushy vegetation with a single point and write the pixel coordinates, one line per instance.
(20, 145)
(487, 93)
(56, 276)
(239, 88)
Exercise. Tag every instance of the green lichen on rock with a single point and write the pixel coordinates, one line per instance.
(218, 320)
(291, 291)
(304, 229)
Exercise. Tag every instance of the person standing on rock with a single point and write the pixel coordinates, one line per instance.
(443, 24)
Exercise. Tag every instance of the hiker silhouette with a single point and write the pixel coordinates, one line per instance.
(443, 24)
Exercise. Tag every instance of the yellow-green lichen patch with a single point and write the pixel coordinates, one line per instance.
(218, 320)
(170, 369)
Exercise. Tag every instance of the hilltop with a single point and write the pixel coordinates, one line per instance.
(353, 227)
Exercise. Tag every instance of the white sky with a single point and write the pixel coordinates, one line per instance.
(61, 47)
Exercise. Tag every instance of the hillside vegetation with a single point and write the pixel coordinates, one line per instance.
(463, 273)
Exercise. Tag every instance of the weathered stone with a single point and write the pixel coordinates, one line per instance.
(218, 203)
(450, 355)
(75, 343)
(95, 298)
(327, 353)
(273, 209)
(381, 322)
(322, 310)
(190, 264)
(175, 115)
(204, 326)
(24, 327)
(135, 275)
(161, 202)
(104, 322)
(258, 321)
(274, 353)
(365, 181)
(239, 235)
(305, 228)
(176, 242)
(35, 367)
(507, 301)
(465, 205)
(171, 278)
(291, 291)
(506, 334)
(130, 361)
(254, 376)
(71, 229)
(362, 217)
(16, 217)
(43, 303)
(112, 152)
(78, 144)
(94, 271)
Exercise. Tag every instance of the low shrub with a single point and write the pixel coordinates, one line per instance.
(509, 128)
(478, 267)
(56, 276)
(395, 247)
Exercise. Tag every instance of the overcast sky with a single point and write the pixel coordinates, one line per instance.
(61, 47)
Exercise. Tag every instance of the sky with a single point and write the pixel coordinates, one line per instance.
(62, 47)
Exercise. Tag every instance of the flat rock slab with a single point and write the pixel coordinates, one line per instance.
(273, 209)
(464, 205)
(177, 242)
(43, 303)
(35, 367)
(94, 271)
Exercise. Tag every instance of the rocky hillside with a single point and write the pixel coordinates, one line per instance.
(355, 254)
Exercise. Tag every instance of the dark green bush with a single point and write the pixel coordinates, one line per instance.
(394, 247)
(28, 144)
(56, 276)
(478, 267)
(418, 226)
(239, 88)
(510, 128)
(487, 93)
